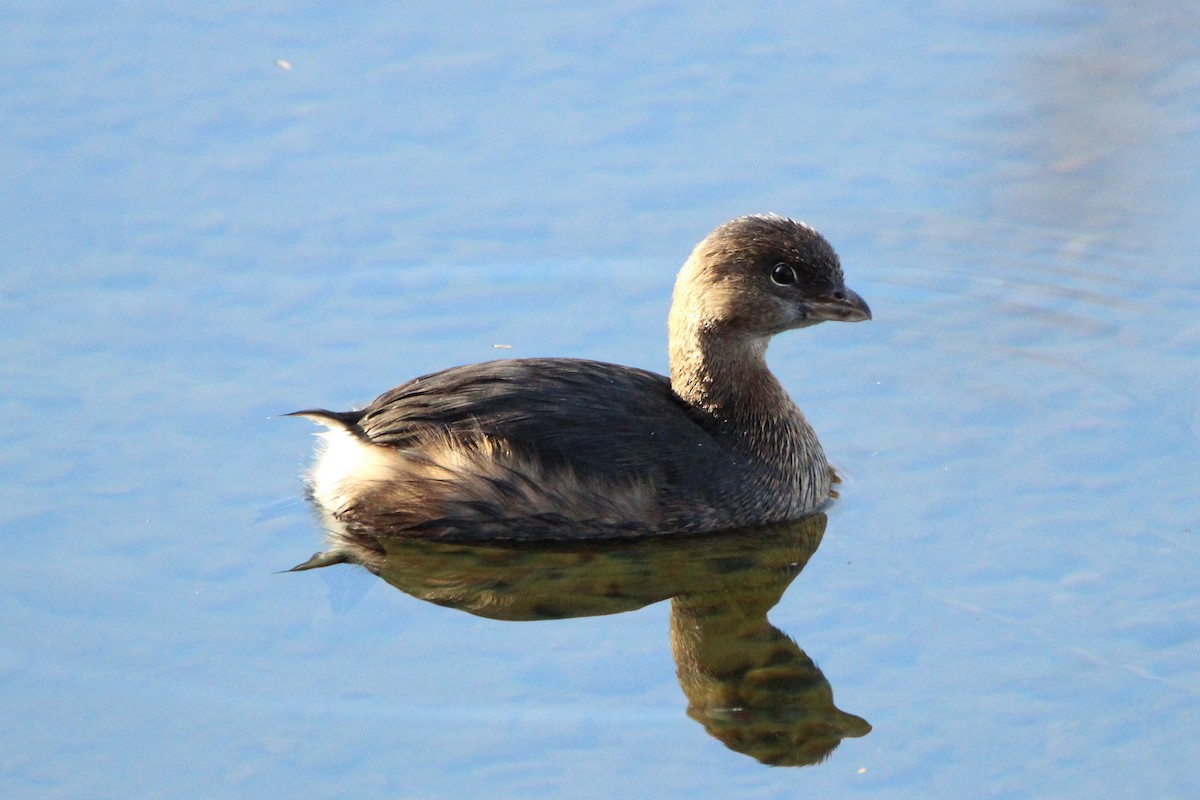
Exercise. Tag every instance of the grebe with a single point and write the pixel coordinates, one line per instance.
(545, 448)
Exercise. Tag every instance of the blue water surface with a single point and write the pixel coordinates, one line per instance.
(213, 214)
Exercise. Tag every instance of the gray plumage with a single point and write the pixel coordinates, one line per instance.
(568, 448)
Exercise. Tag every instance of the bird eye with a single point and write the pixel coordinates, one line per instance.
(783, 274)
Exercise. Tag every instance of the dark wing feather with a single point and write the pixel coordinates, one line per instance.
(603, 420)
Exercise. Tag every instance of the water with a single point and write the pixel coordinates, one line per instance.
(197, 238)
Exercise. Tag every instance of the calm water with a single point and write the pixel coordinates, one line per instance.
(211, 217)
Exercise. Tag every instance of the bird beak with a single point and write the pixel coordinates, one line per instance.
(839, 305)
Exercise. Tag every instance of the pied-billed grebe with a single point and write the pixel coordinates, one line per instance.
(565, 448)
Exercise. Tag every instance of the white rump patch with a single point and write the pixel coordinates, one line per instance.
(347, 466)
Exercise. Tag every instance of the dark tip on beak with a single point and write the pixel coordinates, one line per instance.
(839, 305)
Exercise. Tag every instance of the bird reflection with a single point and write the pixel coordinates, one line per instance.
(746, 682)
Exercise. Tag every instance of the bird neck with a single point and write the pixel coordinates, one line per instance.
(725, 378)
(729, 390)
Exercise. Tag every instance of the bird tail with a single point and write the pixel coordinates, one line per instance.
(319, 560)
(338, 420)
